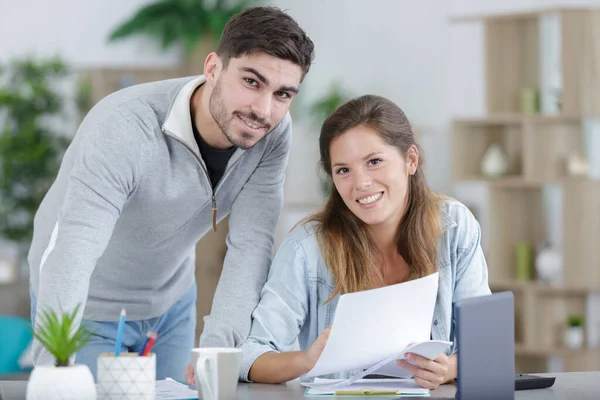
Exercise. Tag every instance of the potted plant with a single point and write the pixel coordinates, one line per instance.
(196, 25)
(30, 150)
(574, 332)
(62, 380)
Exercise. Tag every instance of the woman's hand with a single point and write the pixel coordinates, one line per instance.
(430, 373)
(314, 351)
(190, 378)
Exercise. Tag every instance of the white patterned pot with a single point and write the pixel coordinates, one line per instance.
(74, 382)
(128, 376)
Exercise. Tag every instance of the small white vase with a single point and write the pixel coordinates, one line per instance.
(574, 337)
(74, 382)
(494, 163)
(548, 264)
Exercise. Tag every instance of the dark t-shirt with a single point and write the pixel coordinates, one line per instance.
(215, 159)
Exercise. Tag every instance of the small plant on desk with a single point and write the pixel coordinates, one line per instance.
(57, 333)
(574, 332)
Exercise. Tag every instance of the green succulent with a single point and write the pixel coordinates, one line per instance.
(575, 320)
(55, 332)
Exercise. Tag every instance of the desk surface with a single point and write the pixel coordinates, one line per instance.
(573, 385)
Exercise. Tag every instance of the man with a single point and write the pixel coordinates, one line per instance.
(151, 169)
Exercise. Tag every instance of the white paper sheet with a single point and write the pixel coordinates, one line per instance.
(170, 389)
(402, 386)
(430, 349)
(374, 325)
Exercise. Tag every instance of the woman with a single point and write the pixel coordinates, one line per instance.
(381, 226)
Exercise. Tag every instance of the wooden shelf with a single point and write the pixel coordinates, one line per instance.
(514, 119)
(531, 351)
(531, 13)
(537, 147)
(516, 181)
(498, 119)
(543, 288)
(520, 209)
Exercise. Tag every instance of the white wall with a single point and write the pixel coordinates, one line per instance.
(405, 50)
(76, 30)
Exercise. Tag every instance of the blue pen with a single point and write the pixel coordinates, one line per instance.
(120, 333)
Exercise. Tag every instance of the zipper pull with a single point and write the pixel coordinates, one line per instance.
(214, 212)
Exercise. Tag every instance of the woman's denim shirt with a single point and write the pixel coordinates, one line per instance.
(293, 311)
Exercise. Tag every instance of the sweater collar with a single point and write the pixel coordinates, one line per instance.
(179, 119)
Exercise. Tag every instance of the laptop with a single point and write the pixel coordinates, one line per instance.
(485, 336)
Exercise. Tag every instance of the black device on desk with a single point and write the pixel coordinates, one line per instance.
(526, 381)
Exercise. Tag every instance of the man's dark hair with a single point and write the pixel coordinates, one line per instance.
(268, 30)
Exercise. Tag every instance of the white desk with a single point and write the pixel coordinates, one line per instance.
(574, 385)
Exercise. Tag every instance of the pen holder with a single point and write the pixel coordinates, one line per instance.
(128, 376)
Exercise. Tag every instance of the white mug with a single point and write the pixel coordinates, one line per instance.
(216, 371)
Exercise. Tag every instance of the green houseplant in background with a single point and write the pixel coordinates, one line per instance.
(56, 332)
(196, 25)
(574, 334)
(30, 151)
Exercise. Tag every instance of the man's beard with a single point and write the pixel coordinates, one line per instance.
(219, 113)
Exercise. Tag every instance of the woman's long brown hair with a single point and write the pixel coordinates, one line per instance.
(344, 240)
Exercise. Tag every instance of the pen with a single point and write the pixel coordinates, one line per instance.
(145, 341)
(151, 339)
(366, 391)
(120, 333)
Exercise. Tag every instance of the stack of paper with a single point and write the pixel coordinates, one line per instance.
(379, 387)
(170, 389)
(373, 328)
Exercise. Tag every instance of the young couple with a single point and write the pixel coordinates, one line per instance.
(155, 166)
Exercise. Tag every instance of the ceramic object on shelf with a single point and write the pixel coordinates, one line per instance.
(529, 101)
(577, 165)
(494, 163)
(525, 254)
(548, 264)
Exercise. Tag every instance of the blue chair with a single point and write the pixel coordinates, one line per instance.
(15, 336)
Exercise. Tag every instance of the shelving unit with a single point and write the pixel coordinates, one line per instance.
(537, 147)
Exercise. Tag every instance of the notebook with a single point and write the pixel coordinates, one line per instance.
(367, 387)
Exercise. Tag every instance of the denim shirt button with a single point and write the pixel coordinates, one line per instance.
(435, 322)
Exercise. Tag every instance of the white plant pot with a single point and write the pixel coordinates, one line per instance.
(48, 382)
(574, 337)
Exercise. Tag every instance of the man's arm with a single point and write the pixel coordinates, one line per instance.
(104, 172)
(252, 224)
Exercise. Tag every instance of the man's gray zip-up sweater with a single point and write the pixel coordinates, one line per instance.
(118, 227)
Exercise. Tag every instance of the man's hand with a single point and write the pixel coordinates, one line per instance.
(428, 373)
